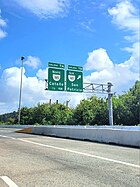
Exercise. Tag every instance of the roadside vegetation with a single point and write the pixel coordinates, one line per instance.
(91, 111)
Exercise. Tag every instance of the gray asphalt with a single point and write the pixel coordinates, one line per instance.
(41, 161)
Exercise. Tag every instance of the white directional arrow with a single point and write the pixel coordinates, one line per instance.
(79, 77)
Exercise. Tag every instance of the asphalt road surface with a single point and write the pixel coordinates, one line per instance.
(41, 161)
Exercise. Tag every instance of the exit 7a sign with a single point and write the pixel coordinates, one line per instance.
(56, 79)
(74, 81)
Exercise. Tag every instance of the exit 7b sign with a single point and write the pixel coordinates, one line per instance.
(74, 81)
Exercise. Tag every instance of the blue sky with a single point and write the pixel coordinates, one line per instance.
(101, 36)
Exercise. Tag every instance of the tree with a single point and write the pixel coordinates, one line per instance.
(91, 111)
(45, 114)
(26, 116)
(127, 107)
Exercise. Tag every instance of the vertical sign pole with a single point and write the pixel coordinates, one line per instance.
(110, 109)
(19, 109)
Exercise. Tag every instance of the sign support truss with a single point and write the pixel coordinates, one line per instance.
(97, 88)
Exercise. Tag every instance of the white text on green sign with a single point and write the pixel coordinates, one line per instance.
(74, 81)
(56, 79)
(56, 65)
(78, 68)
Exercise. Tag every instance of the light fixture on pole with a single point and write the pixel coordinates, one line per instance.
(20, 92)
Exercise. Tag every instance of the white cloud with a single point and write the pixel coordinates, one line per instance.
(3, 23)
(46, 8)
(33, 91)
(42, 74)
(126, 16)
(98, 60)
(33, 62)
(88, 25)
(122, 75)
(134, 61)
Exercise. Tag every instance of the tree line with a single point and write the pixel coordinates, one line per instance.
(90, 111)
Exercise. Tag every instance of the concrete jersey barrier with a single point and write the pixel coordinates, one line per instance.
(120, 135)
(104, 135)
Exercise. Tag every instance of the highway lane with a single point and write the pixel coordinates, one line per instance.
(39, 161)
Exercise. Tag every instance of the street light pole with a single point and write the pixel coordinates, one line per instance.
(20, 92)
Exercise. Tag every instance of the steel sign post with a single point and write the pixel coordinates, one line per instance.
(110, 109)
(74, 81)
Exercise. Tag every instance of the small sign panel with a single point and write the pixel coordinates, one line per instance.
(56, 65)
(77, 68)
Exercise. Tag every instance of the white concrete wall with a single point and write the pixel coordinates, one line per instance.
(122, 137)
(129, 136)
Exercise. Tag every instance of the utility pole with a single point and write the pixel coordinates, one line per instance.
(67, 103)
(50, 102)
(110, 110)
(20, 92)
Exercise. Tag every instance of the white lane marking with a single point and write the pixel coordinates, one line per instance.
(80, 153)
(8, 181)
(76, 152)
(7, 137)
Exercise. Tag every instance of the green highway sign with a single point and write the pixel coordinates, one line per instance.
(77, 68)
(56, 65)
(74, 81)
(56, 79)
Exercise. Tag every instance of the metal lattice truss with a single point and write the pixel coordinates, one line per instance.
(95, 88)
(91, 87)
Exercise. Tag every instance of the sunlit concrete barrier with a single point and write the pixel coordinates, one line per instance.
(120, 135)
(103, 135)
